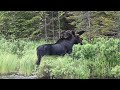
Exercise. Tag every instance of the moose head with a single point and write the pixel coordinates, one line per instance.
(74, 35)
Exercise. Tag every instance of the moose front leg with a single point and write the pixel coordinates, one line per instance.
(69, 51)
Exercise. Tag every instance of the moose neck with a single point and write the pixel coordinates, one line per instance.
(70, 42)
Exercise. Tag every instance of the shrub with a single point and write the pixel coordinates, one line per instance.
(115, 71)
(64, 68)
(100, 58)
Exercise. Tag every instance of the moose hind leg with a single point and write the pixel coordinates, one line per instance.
(38, 61)
(39, 55)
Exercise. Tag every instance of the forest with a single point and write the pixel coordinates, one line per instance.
(21, 32)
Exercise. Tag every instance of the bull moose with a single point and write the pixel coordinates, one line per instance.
(61, 47)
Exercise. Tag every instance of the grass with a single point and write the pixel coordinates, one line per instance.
(100, 59)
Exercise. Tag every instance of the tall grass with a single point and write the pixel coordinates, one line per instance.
(17, 56)
(100, 58)
(8, 63)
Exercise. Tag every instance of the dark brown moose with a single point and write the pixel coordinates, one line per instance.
(62, 46)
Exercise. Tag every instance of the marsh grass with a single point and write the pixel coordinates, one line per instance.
(101, 58)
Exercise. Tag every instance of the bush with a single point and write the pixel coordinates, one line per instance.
(64, 68)
(115, 71)
(100, 58)
(101, 55)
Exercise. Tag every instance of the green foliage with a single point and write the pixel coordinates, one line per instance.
(8, 63)
(116, 71)
(94, 60)
(31, 24)
(20, 24)
(96, 22)
(64, 68)
(100, 59)
(99, 68)
(102, 55)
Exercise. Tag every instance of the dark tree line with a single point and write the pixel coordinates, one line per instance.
(36, 25)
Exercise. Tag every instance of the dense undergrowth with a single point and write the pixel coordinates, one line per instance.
(98, 59)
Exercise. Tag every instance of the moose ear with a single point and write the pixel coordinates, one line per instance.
(80, 32)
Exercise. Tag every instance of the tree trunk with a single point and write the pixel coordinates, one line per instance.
(53, 26)
(89, 25)
(45, 28)
(59, 24)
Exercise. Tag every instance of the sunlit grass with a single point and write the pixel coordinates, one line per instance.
(95, 59)
(8, 63)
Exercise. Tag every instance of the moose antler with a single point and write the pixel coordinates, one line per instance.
(69, 33)
(80, 32)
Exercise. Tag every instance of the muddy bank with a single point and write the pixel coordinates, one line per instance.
(35, 77)
(18, 77)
